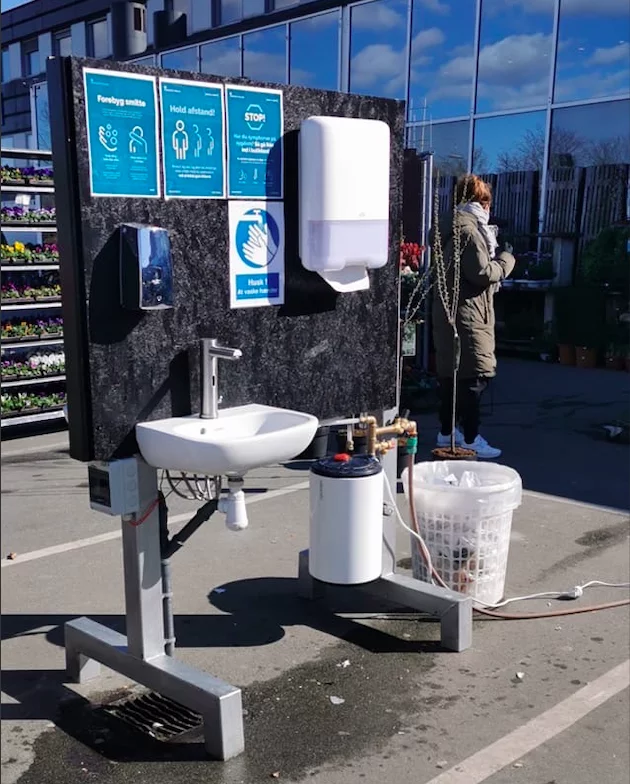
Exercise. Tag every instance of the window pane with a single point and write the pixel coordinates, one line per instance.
(515, 142)
(514, 54)
(233, 10)
(447, 141)
(593, 50)
(315, 52)
(6, 70)
(148, 60)
(182, 60)
(591, 135)
(230, 11)
(200, 17)
(42, 116)
(63, 45)
(442, 63)
(264, 55)
(222, 58)
(253, 7)
(99, 39)
(30, 58)
(378, 35)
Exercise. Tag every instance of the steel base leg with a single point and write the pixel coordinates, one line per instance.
(453, 609)
(218, 702)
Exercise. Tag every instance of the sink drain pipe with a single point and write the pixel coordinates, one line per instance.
(169, 546)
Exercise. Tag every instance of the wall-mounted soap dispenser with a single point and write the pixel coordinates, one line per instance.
(344, 198)
(146, 267)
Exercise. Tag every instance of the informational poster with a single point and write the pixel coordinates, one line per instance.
(256, 253)
(122, 130)
(193, 141)
(254, 143)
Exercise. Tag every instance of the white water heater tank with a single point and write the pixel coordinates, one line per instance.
(346, 519)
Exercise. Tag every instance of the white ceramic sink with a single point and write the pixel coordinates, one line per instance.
(238, 440)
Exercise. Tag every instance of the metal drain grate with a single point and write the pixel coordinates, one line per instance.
(156, 716)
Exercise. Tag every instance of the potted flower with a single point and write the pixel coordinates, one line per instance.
(11, 175)
(42, 176)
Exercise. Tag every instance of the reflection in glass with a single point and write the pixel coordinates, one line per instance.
(148, 60)
(181, 60)
(62, 44)
(222, 58)
(514, 142)
(98, 39)
(42, 116)
(378, 33)
(6, 65)
(265, 55)
(315, 52)
(590, 135)
(593, 50)
(442, 62)
(233, 10)
(200, 15)
(514, 54)
(447, 141)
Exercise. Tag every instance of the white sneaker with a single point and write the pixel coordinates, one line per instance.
(446, 440)
(483, 449)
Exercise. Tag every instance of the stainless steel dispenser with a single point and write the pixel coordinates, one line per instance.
(146, 267)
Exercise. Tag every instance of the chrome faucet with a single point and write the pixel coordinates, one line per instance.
(210, 352)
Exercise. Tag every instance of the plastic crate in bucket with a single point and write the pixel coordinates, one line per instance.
(464, 510)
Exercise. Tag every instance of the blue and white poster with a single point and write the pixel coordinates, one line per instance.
(254, 143)
(256, 253)
(122, 130)
(192, 139)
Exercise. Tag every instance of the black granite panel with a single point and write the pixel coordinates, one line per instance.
(331, 355)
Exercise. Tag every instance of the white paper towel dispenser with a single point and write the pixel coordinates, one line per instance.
(344, 198)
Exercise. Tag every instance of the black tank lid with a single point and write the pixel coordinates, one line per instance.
(344, 466)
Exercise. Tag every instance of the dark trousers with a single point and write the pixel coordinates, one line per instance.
(469, 392)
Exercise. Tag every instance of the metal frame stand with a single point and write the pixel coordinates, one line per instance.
(453, 609)
(140, 655)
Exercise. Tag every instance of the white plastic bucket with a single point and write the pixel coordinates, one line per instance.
(466, 529)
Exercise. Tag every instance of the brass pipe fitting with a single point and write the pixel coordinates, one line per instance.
(398, 427)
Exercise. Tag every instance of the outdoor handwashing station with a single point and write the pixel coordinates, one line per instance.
(229, 261)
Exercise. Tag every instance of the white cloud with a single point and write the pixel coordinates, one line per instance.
(433, 36)
(515, 61)
(377, 63)
(610, 8)
(592, 84)
(376, 16)
(611, 54)
(436, 7)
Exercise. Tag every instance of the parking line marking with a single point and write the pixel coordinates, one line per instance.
(559, 499)
(77, 544)
(511, 747)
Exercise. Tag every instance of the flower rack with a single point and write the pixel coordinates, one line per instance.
(20, 253)
(20, 216)
(27, 175)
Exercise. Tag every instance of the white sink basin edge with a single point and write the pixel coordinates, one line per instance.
(239, 439)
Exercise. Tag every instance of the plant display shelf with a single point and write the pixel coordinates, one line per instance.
(34, 304)
(31, 228)
(40, 266)
(27, 381)
(25, 417)
(30, 188)
(26, 155)
(30, 341)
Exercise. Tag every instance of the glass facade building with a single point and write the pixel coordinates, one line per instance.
(491, 85)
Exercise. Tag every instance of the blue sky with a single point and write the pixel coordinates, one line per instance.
(7, 5)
